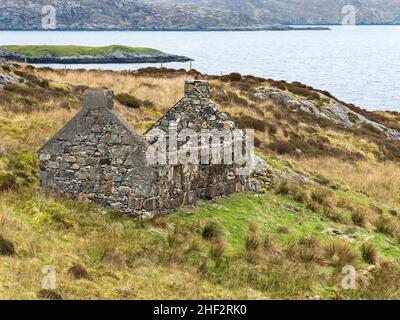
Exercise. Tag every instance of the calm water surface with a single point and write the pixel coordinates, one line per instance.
(360, 65)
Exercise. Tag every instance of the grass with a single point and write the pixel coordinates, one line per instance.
(6, 247)
(108, 256)
(287, 243)
(69, 50)
(377, 179)
(358, 218)
(212, 231)
(340, 253)
(369, 253)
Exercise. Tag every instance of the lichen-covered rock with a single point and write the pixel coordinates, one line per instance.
(335, 112)
(5, 76)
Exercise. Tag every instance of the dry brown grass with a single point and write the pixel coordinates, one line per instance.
(27, 132)
(369, 253)
(163, 92)
(379, 180)
(340, 253)
(117, 258)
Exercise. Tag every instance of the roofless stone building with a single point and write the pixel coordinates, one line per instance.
(98, 156)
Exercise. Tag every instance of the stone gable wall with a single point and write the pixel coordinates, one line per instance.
(190, 183)
(95, 157)
(195, 111)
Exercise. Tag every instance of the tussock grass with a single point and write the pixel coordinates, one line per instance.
(6, 247)
(282, 186)
(212, 231)
(383, 284)
(334, 215)
(163, 92)
(78, 272)
(253, 240)
(306, 250)
(385, 225)
(217, 253)
(340, 253)
(126, 259)
(322, 195)
(369, 253)
(358, 218)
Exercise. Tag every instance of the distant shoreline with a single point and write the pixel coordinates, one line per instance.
(292, 27)
(249, 28)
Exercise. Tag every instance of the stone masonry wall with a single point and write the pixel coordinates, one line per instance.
(198, 112)
(195, 111)
(97, 156)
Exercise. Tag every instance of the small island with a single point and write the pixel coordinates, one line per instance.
(69, 54)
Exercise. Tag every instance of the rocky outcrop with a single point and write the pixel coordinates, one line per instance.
(5, 77)
(114, 57)
(330, 109)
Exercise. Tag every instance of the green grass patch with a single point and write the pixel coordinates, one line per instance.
(236, 213)
(68, 51)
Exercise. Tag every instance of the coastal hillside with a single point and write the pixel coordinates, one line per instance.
(68, 54)
(328, 197)
(190, 14)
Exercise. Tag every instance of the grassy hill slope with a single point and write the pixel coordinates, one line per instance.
(289, 242)
(67, 51)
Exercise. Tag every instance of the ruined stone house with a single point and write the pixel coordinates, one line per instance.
(98, 156)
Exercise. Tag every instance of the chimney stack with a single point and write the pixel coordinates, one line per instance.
(197, 89)
(98, 99)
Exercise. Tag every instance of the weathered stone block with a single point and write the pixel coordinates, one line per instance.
(44, 156)
(125, 191)
(150, 204)
(53, 165)
(70, 159)
(215, 191)
(69, 174)
(174, 203)
(190, 197)
(135, 203)
(47, 178)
